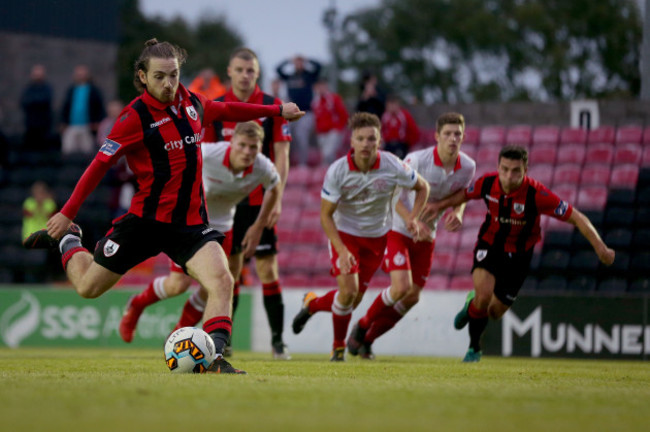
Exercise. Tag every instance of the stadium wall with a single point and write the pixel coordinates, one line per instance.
(537, 326)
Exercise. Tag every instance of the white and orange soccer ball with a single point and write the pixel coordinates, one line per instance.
(189, 350)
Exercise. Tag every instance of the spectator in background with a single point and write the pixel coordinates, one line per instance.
(398, 128)
(331, 117)
(113, 111)
(208, 84)
(36, 102)
(278, 89)
(82, 111)
(299, 81)
(372, 99)
(37, 208)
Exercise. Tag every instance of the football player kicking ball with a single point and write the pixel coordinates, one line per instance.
(159, 133)
(408, 259)
(231, 170)
(506, 239)
(356, 215)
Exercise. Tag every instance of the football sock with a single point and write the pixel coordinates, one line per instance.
(478, 321)
(323, 303)
(219, 328)
(341, 316)
(272, 293)
(383, 301)
(192, 311)
(386, 320)
(69, 245)
(154, 292)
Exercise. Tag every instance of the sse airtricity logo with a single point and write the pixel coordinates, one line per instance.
(20, 320)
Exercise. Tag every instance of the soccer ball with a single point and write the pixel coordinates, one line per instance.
(189, 350)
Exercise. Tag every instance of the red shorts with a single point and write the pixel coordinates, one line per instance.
(368, 253)
(226, 245)
(402, 253)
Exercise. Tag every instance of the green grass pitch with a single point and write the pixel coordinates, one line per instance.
(98, 390)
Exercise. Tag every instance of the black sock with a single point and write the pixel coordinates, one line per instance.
(220, 339)
(275, 314)
(476, 329)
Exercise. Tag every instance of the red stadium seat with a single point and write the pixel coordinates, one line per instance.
(473, 220)
(543, 153)
(602, 134)
(645, 160)
(311, 236)
(493, 135)
(438, 282)
(299, 175)
(488, 154)
(519, 135)
(543, 173)
(571, 153)
(624, 176)
(566, 173)
(443, 262)
(599, 153)
(446, 241)
(324, 280)
(461, 283)
(301, 260)
(463, 262)
(625, 153)
(546, 135)
(631, 134)
(293, 196)
(484, 168)
(471, 135)
(428, 137)
(468, 239)
(469, 149)
(571, 135)
(567, 192)
(592, 198)
(595, 174)
(297, 280)
(317, 176)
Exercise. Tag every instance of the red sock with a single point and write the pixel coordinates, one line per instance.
(341, 316)
(272, 288)
(322, 303)
(475, 313)
(385, 321)
(65, 258)
(192, 312)
(382, 302)
(150, 295)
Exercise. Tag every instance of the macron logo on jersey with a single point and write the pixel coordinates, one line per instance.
(110, 147)
(326, 192)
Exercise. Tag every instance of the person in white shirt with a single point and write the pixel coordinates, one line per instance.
(231, 170)
(356, 216)
(408, 258)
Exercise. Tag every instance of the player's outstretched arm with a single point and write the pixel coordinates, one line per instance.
(432, 209)
(605, 254)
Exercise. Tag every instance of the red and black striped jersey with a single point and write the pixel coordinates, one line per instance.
(276, 129)
(512, 222)
(161, 143)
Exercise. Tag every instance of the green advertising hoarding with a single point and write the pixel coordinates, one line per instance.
(572, 326)
(59, 317)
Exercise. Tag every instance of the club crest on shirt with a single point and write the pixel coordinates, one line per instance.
(191, 112)
(110, 248)
(481, 254)
(399, 259)
(518, 207)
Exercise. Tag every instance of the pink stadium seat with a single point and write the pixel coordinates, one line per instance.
(602, 134)
(446, 241)
(625, 153)
(468, 238)
(599, 153)
(624, 176)
(493, 135)
(469, 149)
(543, 153)
(311, 236)
(461, 283)
(463, 263)
(567, 192)
(488, 154)
(299, 175)
(571, 153)
(317, 176)
(629, 134)
(428, 137)
(443, 261)
(309, 219)
(543, 173)
(293, 196)
(438, 282)
(471, 135)
(301, 260)
(322, 260)
(473, 220)
(484, 168)
(571, 135)
(645, 160)
(546, 135)
(592, 198)
(646, 136)
(324, 280)
(519, 135)
(595, 174)
(296, 280)
(566, 173)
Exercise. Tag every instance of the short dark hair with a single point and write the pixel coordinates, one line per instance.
(244, 54)
(364, 119)
(515, 153)
(450, 118)
(153, 48)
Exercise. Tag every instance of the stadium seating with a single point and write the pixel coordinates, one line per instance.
(640, 286)
(519, 135)
(602, 134)
(583, 283)
(602, 153)
(495, 135)
(546, 135)
(461, 283)
(592, 197)
(619, 217)
(570, 135)
(612, 286)
(628, 153)
(595, 174)
(621, 197)
(472, 134)
(629, 134)
(553, 283)
(571, 153)
(542, 153)
(624, 176)
(567, 174)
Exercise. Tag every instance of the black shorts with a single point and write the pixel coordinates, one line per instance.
(133, 240)
(509, 269)
(245, 216)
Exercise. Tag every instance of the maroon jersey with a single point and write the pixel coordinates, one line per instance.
(161, 143)
(512, 220)
(275, 129)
